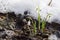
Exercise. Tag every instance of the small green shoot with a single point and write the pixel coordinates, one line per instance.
(38, 11)
(43, 25)
(44, 22)
(34, 25)
(39, 21)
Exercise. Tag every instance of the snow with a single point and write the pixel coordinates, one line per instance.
(52, 37)
(19, 6)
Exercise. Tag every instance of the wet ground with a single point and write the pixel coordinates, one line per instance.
(20, 27)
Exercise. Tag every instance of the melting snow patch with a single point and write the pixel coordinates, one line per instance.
(19, 6)
(52, 37)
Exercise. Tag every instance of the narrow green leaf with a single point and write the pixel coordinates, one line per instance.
(43, 25)
(34, 25)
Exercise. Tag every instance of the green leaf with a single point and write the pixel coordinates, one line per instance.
(43, 25)
(34, 25)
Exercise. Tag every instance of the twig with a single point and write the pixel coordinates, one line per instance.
(50, 3)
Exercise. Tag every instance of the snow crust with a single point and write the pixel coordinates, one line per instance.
(19, 6)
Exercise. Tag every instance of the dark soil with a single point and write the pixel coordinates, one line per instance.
(15, 27)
